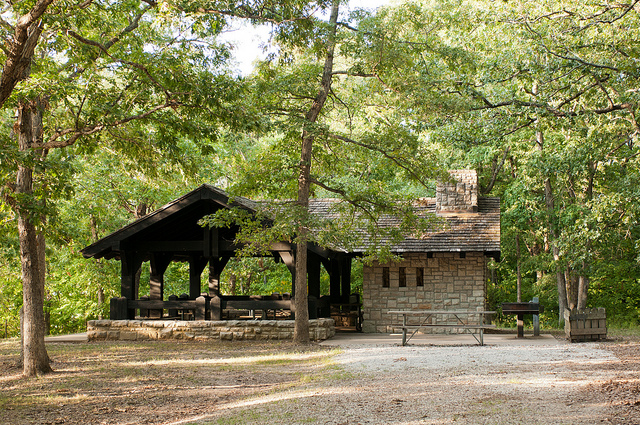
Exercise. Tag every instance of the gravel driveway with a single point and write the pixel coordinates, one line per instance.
(554, 383)
(473, 385)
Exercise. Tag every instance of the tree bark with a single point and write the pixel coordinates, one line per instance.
(583, 287)
(518, 271)
(301, 329)
(31, 239)
(548, 196)
(21, 48)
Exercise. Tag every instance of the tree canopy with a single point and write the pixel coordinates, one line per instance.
(112, 108)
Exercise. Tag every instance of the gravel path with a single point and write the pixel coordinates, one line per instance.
(447, 385)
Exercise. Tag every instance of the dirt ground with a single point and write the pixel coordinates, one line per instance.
(237, 383)
(622, 391)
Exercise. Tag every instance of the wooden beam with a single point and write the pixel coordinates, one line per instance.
(216, 266)
(211, 242)
(169, 246)
(322, 252)
(196, 266)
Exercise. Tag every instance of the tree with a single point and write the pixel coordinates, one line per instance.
(119, 72)
(541, 98)
(325, 90)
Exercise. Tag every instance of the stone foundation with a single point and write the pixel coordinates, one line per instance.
(450, 282)
(225, 330)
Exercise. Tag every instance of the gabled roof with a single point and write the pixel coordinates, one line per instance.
(109, 246)
(176, 224)
(460, 232)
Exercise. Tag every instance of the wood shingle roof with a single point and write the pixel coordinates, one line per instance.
(459, 232)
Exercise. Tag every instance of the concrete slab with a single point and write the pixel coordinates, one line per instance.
(358, 339)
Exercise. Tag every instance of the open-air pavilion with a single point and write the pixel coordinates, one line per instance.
(172, 233)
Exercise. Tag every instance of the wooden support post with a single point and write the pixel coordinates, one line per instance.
(312, 304)
(520, 325)
(404, 330)
(211, 243)
(159, 263)
(130, 263)
(536, 319)
(345, 278)
(215, 305)
(118, 308)
(216, 266)
(289, 259)
(201, 308)
(313, 272)
(333, 268)
(196, 266)
(172, 311)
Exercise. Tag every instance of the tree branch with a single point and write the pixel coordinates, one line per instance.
(26, 35)
(71, 135)
(384, 153)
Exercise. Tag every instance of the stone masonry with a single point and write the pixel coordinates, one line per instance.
(450, 283)
(224, 330)
(459, 197)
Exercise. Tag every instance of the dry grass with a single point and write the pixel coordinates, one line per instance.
(156, 382)
(223, 383)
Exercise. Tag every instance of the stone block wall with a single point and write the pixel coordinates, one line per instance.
(450, 283)
(459, 197)
(224, 330)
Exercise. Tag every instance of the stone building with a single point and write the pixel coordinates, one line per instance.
(445, 269)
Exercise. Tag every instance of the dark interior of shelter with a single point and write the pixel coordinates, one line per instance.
(173, 234)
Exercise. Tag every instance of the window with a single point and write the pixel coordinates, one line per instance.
(385, 277)
(402, 277)
(419, 276)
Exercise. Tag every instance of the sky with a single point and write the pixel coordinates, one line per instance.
(248, 41)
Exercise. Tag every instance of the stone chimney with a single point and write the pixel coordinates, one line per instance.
(460, 197)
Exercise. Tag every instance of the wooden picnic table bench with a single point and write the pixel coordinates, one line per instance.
(458, 314)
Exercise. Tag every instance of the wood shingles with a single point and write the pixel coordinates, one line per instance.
(177, 221)
(457, 232)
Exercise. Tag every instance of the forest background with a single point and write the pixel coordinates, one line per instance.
(540, 99)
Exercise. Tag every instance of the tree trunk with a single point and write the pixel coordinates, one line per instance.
(301, 329)
(572, 289)
(36, 360)
(518, 272)
(232, 284)
(548, 196)
(583, 287)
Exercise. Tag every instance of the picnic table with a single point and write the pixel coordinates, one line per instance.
(461, 322)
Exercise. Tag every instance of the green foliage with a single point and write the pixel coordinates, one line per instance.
(417, 89)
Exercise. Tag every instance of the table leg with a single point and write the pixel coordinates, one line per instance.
(520, 325)
(404, 330)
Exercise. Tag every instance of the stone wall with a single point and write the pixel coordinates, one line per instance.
(229, 330)
(459, 197)
(450, 283)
